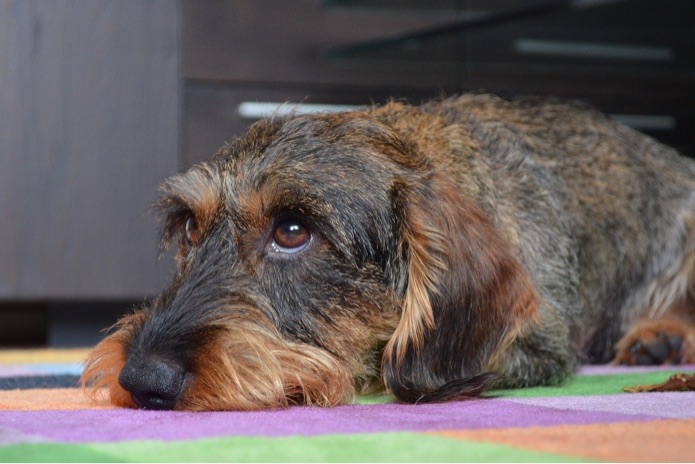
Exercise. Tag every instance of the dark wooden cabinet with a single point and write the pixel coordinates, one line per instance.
(629, 57)
(89, 125)
(101, 100)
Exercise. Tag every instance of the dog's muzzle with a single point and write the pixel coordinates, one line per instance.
(153, 383)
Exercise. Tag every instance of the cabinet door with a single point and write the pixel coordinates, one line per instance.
(89, 98)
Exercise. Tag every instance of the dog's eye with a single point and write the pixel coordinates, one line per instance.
(192, 233)
(290, 236)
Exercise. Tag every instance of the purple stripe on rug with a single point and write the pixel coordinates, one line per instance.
(609, 370)
(126, 424)
(9, 436)
(672, 405)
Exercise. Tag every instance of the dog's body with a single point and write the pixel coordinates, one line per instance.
(416, 249)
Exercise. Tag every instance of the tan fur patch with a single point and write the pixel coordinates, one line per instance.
(424, 270)
(200, 190)
(249, 366)
(105, 362)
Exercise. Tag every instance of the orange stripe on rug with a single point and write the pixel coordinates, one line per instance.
(48, 399)
(670, 440)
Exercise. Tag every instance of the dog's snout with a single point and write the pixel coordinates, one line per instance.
(153, 383)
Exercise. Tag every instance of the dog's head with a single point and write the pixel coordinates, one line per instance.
(319, 256)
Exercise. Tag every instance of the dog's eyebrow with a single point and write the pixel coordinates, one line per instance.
(198, 190)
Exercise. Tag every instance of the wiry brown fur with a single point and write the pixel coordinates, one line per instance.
(105, 362)
(453, 245)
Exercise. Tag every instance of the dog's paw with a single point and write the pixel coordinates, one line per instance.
(662, 349)
(656, 343)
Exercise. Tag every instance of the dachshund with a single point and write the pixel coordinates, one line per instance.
(431, 252)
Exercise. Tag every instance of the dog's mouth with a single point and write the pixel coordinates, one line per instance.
(152, 400)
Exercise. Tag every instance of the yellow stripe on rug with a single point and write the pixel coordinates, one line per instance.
(43, 356)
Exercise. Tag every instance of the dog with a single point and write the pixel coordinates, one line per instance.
(430, 251)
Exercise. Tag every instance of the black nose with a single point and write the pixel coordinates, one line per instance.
(153, 383)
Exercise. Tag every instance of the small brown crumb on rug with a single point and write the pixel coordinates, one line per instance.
(677, 382)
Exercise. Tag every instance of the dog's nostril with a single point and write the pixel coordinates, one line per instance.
(154, 383)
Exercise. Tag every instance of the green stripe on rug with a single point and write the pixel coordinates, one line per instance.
(382, 447)
(590, 385)
(577, 386)
(54, 452)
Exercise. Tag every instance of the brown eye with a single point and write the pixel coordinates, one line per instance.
(290, 236)
(192, 233)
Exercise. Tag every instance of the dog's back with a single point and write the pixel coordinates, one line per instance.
(608, 209)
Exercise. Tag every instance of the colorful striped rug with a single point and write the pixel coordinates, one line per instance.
(44, 417)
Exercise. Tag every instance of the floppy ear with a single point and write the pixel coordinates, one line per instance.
(464, 295)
